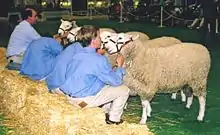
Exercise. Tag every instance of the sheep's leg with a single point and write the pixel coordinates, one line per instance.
(183, 96)
(202, 102)
(189, 102)
(146, 111)
(173, 96)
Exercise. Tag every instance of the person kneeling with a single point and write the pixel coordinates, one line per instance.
(91, 81)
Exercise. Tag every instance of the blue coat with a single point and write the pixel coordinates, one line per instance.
(39, 58)
(58, 76)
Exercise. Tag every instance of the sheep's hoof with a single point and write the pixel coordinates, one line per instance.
(187, 106)
(183, 100)
(200, 118)
(173, 97)
(142, 122)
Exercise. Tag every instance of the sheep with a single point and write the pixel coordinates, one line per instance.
(71, 36)
(66, 26)
(153, 43)
(164, 42)
(165, 69)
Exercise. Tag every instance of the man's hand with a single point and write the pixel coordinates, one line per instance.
(120, 60)
(100, 51)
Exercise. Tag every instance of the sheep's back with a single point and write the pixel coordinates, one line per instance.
(171, 67)
(161, 42)
(142, 36)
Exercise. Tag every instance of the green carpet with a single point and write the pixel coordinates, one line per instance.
(168, 117)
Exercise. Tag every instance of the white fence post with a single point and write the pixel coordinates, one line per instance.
(161, 13)
(121, 11)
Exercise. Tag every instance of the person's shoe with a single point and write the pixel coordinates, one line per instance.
(108, 121)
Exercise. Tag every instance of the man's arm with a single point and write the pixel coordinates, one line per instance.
(33, 34)
(108, 75)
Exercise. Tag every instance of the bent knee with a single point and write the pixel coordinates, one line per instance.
(123, 90)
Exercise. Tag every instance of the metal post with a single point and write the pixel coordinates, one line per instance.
(71, 8)
(121, 11)
(161, 16)
(161, 13)
(90, 12)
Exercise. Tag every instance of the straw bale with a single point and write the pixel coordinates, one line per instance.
(42, 113)
(3, 60)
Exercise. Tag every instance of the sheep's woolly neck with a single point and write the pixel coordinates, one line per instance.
(166, 68)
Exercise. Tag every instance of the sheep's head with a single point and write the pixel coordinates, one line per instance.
(65, 26)
(71, 36)
(105, 36)
(117, 41)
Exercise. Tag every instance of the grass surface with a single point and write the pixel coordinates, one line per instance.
(3, 129)
(168, 117)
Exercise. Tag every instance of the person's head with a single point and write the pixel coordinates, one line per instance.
(89, 35)
(30, 15)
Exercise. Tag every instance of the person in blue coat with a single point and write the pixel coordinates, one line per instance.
(40, 57)
(89, 79)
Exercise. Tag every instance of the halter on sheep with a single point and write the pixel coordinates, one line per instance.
(71, 37)
(114, 42)
(66, 26)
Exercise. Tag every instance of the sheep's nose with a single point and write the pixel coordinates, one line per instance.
(68, 40)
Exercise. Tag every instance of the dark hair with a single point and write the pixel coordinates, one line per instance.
(27, 12)
(86, 34)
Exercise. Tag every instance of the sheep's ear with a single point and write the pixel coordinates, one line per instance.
(61, 20)
(74, 22)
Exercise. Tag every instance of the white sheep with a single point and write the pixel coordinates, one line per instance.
(66, 26)
(71, 36)
(163, 42)
(143, 40)
(165, 70)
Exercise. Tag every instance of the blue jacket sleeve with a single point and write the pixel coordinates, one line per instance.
(108, 75)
